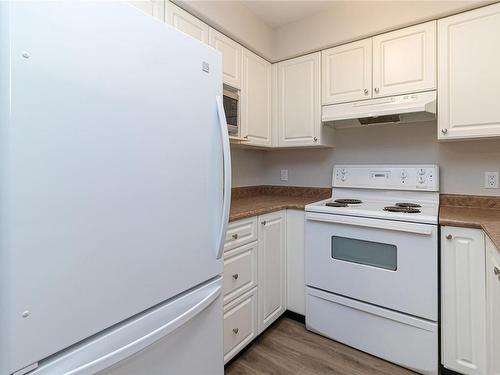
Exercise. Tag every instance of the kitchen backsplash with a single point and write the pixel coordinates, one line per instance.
(462, 164)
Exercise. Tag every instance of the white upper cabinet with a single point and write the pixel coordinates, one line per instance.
(256, 100)
(185, 22)
(347, 72)
(463, 306)
(493, 307)
(231, 57)
(404, 61)
(469, 74)
(299, 106)
(155, 8)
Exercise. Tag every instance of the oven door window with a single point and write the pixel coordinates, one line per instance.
(375, 254)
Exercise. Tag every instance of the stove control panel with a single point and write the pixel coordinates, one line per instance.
(391, 177)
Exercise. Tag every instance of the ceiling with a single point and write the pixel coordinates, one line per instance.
(280, 12)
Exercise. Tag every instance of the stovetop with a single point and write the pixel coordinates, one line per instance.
(380, 192)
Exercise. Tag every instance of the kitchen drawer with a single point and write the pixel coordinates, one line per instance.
(240, 270)
(240, 233)
(240, 323)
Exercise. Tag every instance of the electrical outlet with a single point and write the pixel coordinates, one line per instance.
(284, 175)
(491, 180)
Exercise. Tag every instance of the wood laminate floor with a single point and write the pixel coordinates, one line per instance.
(288, 348)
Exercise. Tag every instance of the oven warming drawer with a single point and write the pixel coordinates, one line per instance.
(408, 341)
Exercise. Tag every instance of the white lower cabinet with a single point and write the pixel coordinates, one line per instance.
(254, 278)
(493, 307)
(295, 278)
(272, 267)
(470, 290)
(240, 323)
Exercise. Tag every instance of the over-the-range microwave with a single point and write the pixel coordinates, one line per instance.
(231, 108)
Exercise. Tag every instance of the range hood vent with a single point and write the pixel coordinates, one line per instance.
(392, 110)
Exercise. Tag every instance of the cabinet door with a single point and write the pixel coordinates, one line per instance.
(272, 268)
(155, 8)
(185, 22)
(405, 60)
(256, 100)
(493, 307)
(299, 107)
(295, 284)
(468, 76)
(463, 305)
(347, 72)
(231, 57)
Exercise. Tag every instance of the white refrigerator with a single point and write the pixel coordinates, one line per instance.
(114, 193)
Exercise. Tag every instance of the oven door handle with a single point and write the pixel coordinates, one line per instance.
(399, 226)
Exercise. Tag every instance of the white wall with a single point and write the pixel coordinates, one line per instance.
(346, 21)
(462, 164)
(247, 167)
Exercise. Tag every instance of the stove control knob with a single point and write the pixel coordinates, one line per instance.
(404, 174)
(421, 171)
(421, 179)
(343, 178)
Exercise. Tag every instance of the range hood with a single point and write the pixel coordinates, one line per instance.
(395, 109)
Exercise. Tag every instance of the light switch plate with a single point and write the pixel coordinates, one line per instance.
(284, 175)
(491, 180)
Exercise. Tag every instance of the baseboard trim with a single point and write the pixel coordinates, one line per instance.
(295, 316)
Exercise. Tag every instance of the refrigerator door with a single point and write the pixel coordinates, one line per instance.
(183, 336)
(111, 171)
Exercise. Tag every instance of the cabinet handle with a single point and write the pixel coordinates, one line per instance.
(245, 137)
(235, 276)
(449, 237)
(235, 236)
(315, 139)
(236, 330)
(263, 222)
(496, 270)
(365, 91)
(444, 131)
(377, 90)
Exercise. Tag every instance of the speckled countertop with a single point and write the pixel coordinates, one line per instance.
(472, 212)
(258, 200)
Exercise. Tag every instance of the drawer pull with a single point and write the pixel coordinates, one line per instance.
(496, 270)
(264, 222)
(449, 237)
(235, 276)
(235, 236)
(236, 330)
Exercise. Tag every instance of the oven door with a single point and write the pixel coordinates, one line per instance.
(386, 263)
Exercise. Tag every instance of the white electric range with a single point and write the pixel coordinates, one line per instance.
(372, 262)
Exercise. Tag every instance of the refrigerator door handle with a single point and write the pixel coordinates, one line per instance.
(116, 346)
(226, 153)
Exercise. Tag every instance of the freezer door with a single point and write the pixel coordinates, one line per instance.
(111, 163)
(180, 337)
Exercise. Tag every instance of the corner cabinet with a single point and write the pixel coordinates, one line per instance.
(493, 307)
(468, 74)
(404, 61)
(463, 304)
(299, 107)
(231, 57)
(256, 100)
(181, 20)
